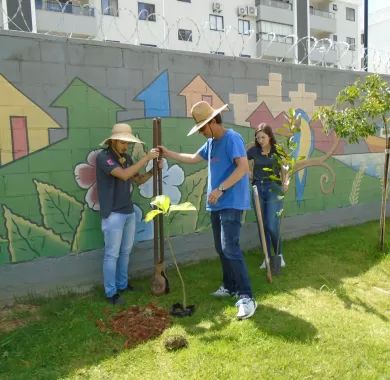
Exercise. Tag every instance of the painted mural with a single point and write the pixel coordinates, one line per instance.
(48, 196)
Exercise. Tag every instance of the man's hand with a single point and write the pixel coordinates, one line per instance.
(153, 153)
(163, 150)
(214, 196)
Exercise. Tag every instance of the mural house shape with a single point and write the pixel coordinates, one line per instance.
(198, 90)
(24, 126)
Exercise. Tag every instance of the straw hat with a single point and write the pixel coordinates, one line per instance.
(202, 113)
(123, 132)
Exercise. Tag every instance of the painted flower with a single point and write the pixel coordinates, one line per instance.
(85, 175)
(172, 177)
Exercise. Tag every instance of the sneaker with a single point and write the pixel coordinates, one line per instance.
(263, 266)
(116, 299)
(282, 263)
(246, 308)
(221, 292)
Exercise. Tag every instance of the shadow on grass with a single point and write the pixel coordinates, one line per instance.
(268, 320)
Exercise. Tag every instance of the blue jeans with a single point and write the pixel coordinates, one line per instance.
(119, 233)
(270, 206)
(226, 226)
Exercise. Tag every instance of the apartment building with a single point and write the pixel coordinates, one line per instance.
(320, 32)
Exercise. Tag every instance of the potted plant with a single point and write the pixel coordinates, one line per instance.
(162, 205)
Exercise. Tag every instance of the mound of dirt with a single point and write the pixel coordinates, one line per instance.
(138, 324)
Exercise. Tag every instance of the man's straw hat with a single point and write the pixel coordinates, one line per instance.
(123, 132)
(202, 113)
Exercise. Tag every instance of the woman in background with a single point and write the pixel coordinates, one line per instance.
(263, 156)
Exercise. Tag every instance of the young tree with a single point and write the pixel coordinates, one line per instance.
(358, 112)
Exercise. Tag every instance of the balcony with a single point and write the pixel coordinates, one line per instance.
(322, 21)
(65, 19)
(276, 11)
(275, 45)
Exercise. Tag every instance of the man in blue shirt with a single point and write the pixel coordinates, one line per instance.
(227, 198)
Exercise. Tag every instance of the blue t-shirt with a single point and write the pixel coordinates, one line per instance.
(220, 154)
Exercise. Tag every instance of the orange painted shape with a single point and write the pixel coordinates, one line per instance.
(375, 144)
(198, 90)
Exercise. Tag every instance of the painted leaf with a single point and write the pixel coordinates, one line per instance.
(27, 240)
(186, 206)
(192, 190)
(4, 254)
(60, 211)
(151, 214)
(88, 235)
(162, 202)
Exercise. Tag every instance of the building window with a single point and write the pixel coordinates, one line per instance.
(245, 55)
(217, 52)
(244, 27)
(352, 43)
(335, 37)
(208, 99)
(184, 35)
(146, 12)
(110, 7)
(362, 38)
(216, 22)
(185, 1)
(273, 31)
(334, 7)
(350, 14)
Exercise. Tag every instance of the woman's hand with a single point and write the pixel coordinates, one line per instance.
(153, 153)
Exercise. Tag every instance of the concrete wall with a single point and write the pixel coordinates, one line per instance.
(59, 98)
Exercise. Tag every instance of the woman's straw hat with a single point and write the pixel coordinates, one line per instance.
(202, 113)
(123, 132)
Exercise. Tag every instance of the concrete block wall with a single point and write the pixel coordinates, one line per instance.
(71, 92)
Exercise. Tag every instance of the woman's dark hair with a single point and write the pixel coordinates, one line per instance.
(265, 128)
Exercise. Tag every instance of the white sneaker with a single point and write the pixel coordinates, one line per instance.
(282, 263)
(246, 308)
(221, 292)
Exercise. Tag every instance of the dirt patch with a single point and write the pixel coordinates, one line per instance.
(138, 324)
(17, 316)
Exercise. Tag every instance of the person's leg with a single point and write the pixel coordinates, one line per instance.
(273, 207)
(112, 228)
(230, 238)
(261, 189)
(227, 278)
(122, 270)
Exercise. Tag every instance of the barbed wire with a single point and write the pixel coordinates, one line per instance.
(229, 40)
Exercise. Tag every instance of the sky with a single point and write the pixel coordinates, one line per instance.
(374, 5)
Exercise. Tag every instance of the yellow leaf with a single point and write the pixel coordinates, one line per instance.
(162, 202)
(151, 214)
(186, 206)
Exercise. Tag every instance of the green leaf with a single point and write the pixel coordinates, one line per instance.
(152, 214)
(27, 240)
(4, 254)
(192, 190)
(268, 169)
(88, 235)
(162, 202)
(60, 211)
(186, 206)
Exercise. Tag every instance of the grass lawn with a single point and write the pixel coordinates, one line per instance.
(326, 317)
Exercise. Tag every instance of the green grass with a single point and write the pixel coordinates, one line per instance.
(326, 317)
